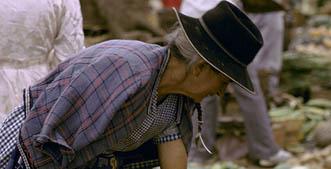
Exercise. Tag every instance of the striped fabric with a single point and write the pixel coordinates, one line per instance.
(96, 101)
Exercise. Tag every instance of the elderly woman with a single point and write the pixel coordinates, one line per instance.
(119, 102)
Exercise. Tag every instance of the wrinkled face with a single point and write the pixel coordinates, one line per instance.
(207, 82)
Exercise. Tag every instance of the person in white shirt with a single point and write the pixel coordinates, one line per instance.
(261, 144)
(35, 36)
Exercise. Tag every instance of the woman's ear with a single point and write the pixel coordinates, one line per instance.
(198, 67)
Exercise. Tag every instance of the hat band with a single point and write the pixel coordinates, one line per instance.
(204, 26)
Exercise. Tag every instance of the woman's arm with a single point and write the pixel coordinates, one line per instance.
(172, 155)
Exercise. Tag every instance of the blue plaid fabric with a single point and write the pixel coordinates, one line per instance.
(98, 100)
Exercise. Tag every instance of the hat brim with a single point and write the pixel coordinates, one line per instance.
(261, 6)
(212, 53)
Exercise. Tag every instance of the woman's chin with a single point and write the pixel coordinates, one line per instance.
(199, 99)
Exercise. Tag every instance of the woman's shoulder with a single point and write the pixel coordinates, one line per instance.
(139, 55)
(134, 48)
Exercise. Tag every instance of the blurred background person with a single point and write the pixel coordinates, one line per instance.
(35, 36)
(261, 144)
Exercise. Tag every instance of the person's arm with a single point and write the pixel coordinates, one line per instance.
(172, 155)
(69, 39)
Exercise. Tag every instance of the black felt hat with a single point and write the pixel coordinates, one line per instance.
(225, 38)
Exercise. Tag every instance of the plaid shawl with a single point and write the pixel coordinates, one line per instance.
(91, 103)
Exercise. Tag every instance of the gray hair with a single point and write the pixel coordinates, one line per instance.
(181, 46)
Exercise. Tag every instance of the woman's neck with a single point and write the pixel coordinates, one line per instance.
(173, 78)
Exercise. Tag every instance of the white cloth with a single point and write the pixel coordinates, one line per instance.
(35, 36)
(196, 8)
(271, 26)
